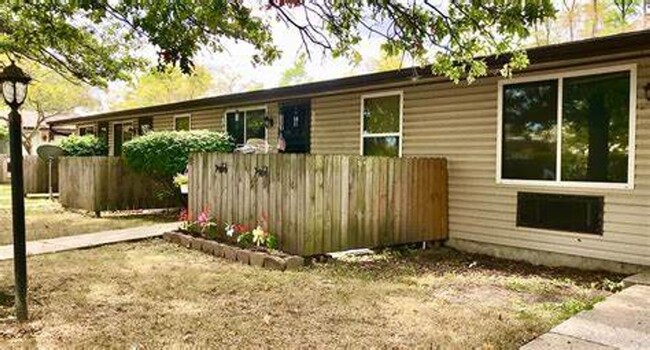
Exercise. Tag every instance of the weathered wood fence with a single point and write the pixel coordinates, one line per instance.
(35, 172)
(105, 183)
(4, 169)
(323, 203)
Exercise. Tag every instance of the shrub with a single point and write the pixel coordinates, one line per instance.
(163, 155)
(83, 146)
(4, 132)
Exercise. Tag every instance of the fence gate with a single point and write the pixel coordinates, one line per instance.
(323, 203)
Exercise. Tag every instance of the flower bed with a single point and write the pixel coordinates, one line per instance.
(234, 242)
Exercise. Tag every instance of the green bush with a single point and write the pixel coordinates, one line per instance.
(4, 132)
(83, 146)
(164, 154)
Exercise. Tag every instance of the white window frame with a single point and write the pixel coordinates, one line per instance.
(558, 182)
(186, 115)
(363, 135)
(246, 109)
(88, 125)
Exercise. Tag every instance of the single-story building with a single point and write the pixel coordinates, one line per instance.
(551, 166)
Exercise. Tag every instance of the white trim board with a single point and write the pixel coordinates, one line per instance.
(558, 182)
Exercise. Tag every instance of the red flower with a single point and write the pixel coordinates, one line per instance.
(184, 215)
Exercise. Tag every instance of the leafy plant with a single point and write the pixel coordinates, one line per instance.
(4, 132)
(163, 155)
(245, 240)
(83, 146)
(180, 180)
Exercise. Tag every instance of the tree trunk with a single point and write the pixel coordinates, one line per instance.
(598, 159)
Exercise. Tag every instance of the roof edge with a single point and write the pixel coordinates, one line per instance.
(613, 44)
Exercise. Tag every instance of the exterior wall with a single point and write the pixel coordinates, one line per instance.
(209, 119)
(460, 123)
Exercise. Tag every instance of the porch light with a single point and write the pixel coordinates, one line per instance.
(647, 91)
(14, 85)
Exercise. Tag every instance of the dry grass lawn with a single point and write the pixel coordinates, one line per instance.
(153, 294)
(47, 219)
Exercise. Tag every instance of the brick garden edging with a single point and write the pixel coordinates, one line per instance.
(236, 254)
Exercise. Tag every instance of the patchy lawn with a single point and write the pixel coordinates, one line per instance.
(153, 294)
(47, 219)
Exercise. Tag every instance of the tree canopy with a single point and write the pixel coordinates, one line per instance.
(166, 86)
(296, 74)
(92, 40)
(51, 95)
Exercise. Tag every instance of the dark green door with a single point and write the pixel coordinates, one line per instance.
(296, 126)
(117, 139)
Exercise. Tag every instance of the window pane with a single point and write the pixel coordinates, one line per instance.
(595, 128)
(182, 124)
(235, 127)
(86, 130)
(381, 146)
(255, 124)
(381, 114)
(529, 131)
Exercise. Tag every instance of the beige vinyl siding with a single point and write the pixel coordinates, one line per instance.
(163, 122)
(207, 119)
(459, 122)
(336, 124)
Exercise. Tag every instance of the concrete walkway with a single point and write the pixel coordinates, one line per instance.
(89, 240)
(621, 321)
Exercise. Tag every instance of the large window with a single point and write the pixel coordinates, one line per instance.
(569, 129)
(243, 125)
(381, 133)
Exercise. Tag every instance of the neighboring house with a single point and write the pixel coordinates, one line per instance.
(517, 187)
(44, 134)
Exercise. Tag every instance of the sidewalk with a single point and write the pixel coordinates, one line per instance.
(89, 240)
(621, 321)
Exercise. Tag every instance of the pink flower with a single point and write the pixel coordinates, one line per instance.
(204, 218)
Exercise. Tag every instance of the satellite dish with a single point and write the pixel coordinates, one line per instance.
(49, 153)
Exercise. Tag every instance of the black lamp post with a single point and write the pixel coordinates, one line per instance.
(14, 84)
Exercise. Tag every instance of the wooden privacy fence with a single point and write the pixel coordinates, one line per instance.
(35, 172)
(323, 203)
(105, 183)
(4, 169)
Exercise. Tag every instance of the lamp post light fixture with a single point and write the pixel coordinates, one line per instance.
(14, 84)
